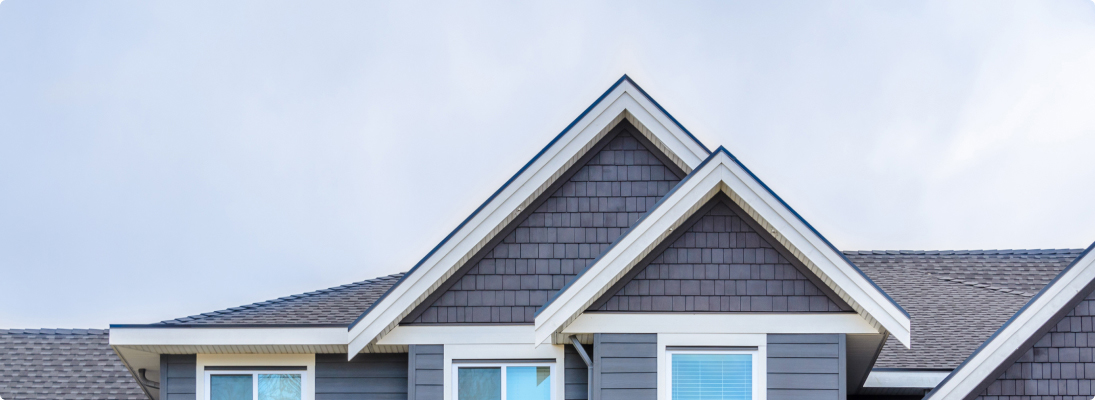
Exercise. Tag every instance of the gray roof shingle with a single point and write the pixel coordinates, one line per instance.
(62, 364)
(957, 299)
(339, 305)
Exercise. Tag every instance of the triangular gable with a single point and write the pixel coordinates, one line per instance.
(1022, 332)
(722, 173)
(576, 220)
(624, 100)
(720, 261)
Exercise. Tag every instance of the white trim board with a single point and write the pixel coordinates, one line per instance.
(905, 379)
(719, 323)
(720, 173)
(1002, 346)
(624, 100)
(214, 336)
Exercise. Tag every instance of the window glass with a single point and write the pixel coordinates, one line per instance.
(279, 387)
(528, 383)
(477, 383)
(712, 376)
(230, 387)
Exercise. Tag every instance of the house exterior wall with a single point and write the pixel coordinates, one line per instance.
(178, 376)
(807, 366)
(596, 201)
(426, 369)
(367, 376)
(720, 263)
(576, 374)
(625, 366)
(1059, 366)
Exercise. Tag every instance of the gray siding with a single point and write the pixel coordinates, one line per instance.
(575, 374)
(178, 376)
(572, 223)
(425, 369)
(625, 366)
(807, 366)
(721, 263)
(367, 377)
(1058, 366)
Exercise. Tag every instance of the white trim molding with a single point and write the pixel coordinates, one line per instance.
(624, 100)
(721, 173)
(719, 323)
(1010, 338)
(905, 379)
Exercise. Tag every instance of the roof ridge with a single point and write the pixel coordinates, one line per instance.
(283, 299)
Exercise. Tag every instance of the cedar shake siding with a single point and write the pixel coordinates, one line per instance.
(594, 203)
(719, 264)
(1060, 365)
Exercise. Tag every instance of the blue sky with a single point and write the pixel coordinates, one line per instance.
(159, 160)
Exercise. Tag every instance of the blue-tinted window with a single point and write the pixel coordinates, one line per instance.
(712, 376)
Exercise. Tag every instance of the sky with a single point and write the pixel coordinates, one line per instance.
(160, 160)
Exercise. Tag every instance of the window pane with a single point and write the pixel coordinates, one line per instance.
(479, 383)
(528, 383)
(230, 387)
(279, 386)
(712, 377)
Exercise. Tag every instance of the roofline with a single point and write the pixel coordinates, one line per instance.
(1010, 320)
(518, 174)
(812, 229)
(215, 326)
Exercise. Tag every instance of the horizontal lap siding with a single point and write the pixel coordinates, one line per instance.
(425, 368)
(807, 366)
(367, 377)
(575, 374)
(178, 376)
(625, 366)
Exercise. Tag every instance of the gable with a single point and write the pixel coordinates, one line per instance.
(720, 262)
(1060, 364)
(594, 202)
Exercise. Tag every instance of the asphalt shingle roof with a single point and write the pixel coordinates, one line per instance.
(957, 299)
(339, 305)
(62, 364)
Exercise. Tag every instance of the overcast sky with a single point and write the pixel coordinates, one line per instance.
(159, 160)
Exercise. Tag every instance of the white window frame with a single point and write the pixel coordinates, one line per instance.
(304, 389)
(503, 365)
(753, 353)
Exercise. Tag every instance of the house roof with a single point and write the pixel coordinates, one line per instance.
(988, 285)
(338, 305)
(62, 363)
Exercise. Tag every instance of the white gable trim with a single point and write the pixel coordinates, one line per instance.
(721, 173)
(1022, 327)
(625, 99)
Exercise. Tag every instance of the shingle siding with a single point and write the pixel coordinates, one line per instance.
(367, 376)
(720, 263)
(622, 180)
(180, 380)
(807, 366)
(425, 370)
(625, 366)
(1060, 365)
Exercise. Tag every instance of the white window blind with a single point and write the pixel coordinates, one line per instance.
(712, 376)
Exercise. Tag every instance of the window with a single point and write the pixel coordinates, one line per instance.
(254, 385)
(711, 374)
(516, 381)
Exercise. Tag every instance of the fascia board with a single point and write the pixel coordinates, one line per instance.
(720, 169)
(720, 323)
(1023, 326)
(430, 273)
(832, 265)
(904, 379)
(226, 336)
(630, 248)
